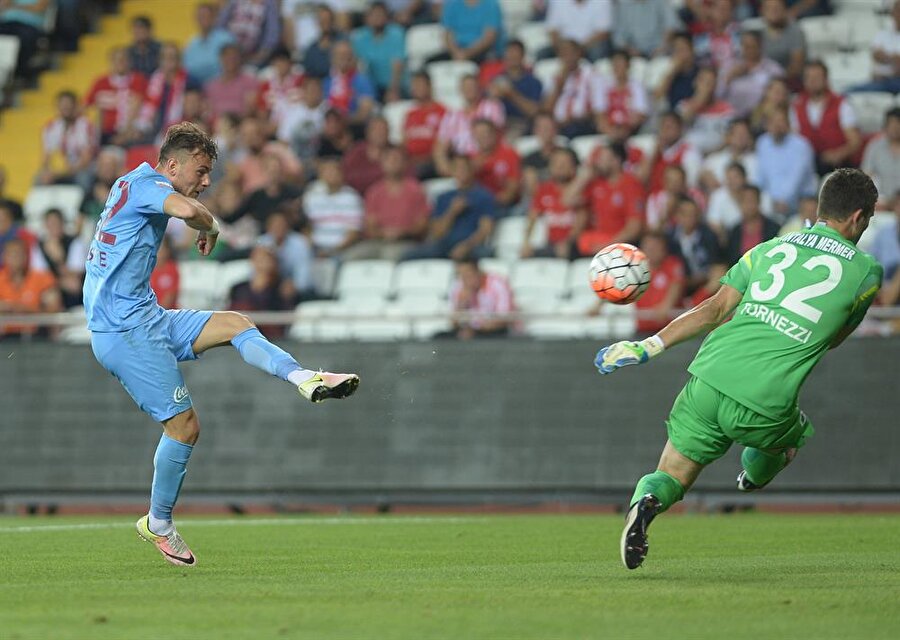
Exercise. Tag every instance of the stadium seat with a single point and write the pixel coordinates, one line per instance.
(546, 275)
(578, 277)
(856, 7)
(637, 70)
(422, 42)
(528, 144)
(583, 146)
(445, 77)
(395, 114)
(515, 15)
(77, 332)
(572, 322)
(863, 29)
(437, 186)
(537, 301)
(655, 70)
(230, 274)
(384, 329)
(430, 278)
(546, 71)
(65, 197)
(426, 316)
(510, 233)
(304, 327)
(534, 36)
(496, 265)
(199, 284)
(9, 54)
(848, 69)
(870, 107)
(365, 279)
(825, 34)
(324, 276)
(879, 221)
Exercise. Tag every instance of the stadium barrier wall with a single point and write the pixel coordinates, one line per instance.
(444, 416)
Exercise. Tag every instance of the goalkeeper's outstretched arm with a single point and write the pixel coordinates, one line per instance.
(703, 318)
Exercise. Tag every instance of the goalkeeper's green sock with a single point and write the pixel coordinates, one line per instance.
(664, 488)
(761, 466)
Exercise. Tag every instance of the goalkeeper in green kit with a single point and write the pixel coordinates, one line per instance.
(792, 299)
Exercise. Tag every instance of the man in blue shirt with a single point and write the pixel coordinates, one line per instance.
(786, 165)
(141, 344)
(382, 48)
(201, 56)
(517, 88)
(473, 29)
(462, 220)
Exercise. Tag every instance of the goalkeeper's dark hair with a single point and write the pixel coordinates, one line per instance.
(187, 138)
(845, 191)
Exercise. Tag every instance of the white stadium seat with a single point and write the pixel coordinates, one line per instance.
(825, 34)
(546, 71)
(544, 275)
(863, 29)
(422, 42)
(431, 278)
(496, 265)
(528, 144)
(199, 284)
(583, 146)
(879, 221)
(9, 54)
(232, 273)
(870, 107)
(515, 14)
(534, 36)
(324, 276)
(437, 186)
(65, 197)
(365, 279)
(395, 114)
(848, 69)
(304, 327)
(445, 77)
(855, 7)
(510, 233)
(436, 315)
(578, 277)
(655, 70)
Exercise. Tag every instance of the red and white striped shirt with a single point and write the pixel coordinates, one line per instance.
(619, 103)
(275, 91)
(333, 216)
(456, 125)
(69, 140)
(494, 296)
(575, 99)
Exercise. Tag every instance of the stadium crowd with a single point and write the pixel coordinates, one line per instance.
(334, 144)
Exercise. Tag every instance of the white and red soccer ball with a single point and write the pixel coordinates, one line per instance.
(620, 273)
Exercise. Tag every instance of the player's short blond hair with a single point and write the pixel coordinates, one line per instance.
(188, 138)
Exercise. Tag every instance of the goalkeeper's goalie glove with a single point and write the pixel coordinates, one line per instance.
(622, 354)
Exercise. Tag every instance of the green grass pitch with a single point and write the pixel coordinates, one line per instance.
(723, 577)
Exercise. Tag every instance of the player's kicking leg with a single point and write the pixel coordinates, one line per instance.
(316, 386)
(655, 493)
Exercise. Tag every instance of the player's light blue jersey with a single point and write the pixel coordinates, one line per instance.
(117, 293)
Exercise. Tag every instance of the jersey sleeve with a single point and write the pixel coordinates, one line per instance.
(865, 294)
(149, 194)
(738, 276)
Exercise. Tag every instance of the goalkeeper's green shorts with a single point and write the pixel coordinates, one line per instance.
(704, 423)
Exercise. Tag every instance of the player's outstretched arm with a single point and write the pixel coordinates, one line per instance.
(196, 216)
(703, 318)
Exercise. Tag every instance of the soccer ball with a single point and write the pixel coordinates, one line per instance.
(620, 273)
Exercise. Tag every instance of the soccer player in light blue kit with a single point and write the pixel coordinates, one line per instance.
(141, 344)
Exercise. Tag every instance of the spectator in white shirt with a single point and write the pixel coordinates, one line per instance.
(724, 211)
(335, 211)
(882, 158)
(587, 22)
(738, 148)
(69, 145)
(620, 103)
(300, 123)
(569, 96)
(886, 58)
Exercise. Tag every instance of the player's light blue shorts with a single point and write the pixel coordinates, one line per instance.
(145, 359)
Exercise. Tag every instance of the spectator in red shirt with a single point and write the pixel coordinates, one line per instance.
(661, 204)
(671, 148)
(250, 170)
(614, 199)
(826, 120)
(497, 165)
(233, 91)
(165, 280)
(420, 128)
(396, 212)
(362, 164)
(753, 229)
(666, 288)
(620, 103)
(118, 97)
(564, 222)
(707, 116)
(69, 145)
(475, 296)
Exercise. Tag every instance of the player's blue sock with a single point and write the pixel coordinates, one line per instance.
(663, 486)
(170, 466)
(262, 354)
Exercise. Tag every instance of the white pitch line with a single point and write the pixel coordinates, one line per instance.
(251, 523)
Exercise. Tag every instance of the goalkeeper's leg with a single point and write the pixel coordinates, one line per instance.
(761, 466)
(655, 493)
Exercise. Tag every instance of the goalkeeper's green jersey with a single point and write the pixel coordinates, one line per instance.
(800, 291)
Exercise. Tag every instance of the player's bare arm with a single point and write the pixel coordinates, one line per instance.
(196, 216)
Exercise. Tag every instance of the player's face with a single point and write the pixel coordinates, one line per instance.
(191, 174)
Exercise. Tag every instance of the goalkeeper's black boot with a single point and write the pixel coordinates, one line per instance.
(634, 537)
(744, 484)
